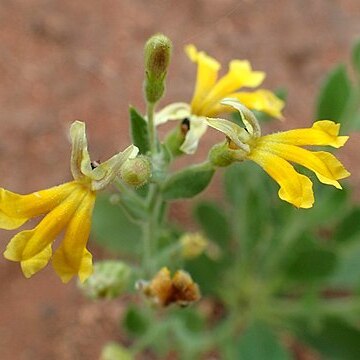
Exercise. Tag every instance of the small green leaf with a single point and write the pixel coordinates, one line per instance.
(347, 274)
(214, 223)
(335, 339)
(188, 183)
(258, 342)
(135, 321)
(113, 229)
(334, 95)
(139, 131)
(356, 56)
(312, 264)
(349, 228)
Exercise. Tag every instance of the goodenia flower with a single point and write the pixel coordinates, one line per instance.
(66, 207)
(274, 153)
(209, 91)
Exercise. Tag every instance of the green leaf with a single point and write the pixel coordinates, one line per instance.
(334, 338)
(113, 229)
(312, 264)
(349, 228)
(213, 221)
(139, 131)
(347, 274)
(356, 56)
(135, 321)
(334, 95)
(259, 343)
(208, 273)
(189, 182)
(193, 320)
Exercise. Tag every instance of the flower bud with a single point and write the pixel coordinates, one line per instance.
(220, 155)
(108, 281)
(224, 154)
(136, 172)
(193, 245)
(157, 59)
(114, 351)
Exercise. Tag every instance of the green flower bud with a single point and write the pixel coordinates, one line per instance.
(157, 59)
(222, 154)
(114, 351)
(108, 281)
(136, 172)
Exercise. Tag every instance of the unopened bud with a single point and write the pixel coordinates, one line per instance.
(157, 59)
(193, 245)
(114, 351)
(108, 281)
(136, 172)
(224, 154)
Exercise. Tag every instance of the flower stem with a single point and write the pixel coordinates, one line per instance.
(154, 201)
(151, 128)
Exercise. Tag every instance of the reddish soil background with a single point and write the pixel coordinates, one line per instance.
(66, 60)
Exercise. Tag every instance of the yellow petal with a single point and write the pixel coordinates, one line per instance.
(36, 263)
(323, 132)
(260, 100)
(332, 162)
(207, 72)
(16, 209)
(239, 75)
(72, 258)
(29, 243)
(326, 166)
(294, 187)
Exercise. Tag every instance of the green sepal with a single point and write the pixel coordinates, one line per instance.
(189, 182)
(139, 131)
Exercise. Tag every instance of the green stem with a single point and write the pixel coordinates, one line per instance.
(151, 128)
(154, 201)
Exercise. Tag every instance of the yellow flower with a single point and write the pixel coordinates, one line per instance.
(66, 207)
(209, 91)
(274, 153)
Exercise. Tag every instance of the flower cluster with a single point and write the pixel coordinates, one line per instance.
(69, 207)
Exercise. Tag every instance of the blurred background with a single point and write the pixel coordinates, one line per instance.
(67, 60)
